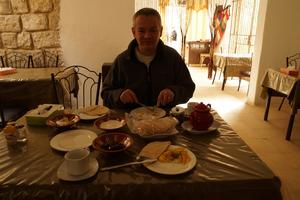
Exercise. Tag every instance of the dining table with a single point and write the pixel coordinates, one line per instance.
(232, 64)
(278, 84)
(226, 168)
(28, 87)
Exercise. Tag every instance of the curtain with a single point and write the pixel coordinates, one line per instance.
(162, 10)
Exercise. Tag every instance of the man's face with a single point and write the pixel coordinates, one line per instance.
(147, 31)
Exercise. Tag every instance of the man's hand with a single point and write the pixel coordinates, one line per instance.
(165, 96)
(128, 96)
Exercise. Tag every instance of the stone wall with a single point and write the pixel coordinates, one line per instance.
(29, 25)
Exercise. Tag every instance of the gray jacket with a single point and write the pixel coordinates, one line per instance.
(167, 70)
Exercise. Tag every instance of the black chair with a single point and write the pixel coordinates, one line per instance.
(37, 60)
(76, 87)
(2, 61)
(105, 69)
(8, 114)
(51, 59)
(16, 59)
(293, 60)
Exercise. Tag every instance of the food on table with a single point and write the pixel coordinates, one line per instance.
(111, 124)
(9, 129)
(95, 110)
(155, 126)
(176, 155)
(154, 149)
(64, 121)
(147, 113)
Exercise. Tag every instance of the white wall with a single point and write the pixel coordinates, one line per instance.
(94, 31)
(278, 36)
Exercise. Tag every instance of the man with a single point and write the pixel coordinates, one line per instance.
(148, 72)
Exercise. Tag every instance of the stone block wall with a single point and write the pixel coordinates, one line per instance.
(29, 26)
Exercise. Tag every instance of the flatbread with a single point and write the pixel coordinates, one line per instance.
(95, 110)
(154, 149)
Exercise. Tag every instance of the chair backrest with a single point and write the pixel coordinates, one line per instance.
(77, 87)
(16, 59)
(2, 61)
(51, 58)
(105, 69)
(293, 60)
(37, 60)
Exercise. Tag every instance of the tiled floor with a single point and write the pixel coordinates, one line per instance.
(267, 139)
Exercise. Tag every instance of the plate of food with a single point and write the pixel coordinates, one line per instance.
(153, 128)
(175, 160)
(73, 139)
(110, 123)
(148, 113)
(63, 120)
(93, 112)
(186, 125)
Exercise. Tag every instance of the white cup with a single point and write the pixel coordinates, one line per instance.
(77, 161)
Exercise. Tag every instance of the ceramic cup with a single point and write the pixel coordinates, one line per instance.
(77, 161)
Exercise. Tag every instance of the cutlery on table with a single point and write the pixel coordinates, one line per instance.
(128, 164)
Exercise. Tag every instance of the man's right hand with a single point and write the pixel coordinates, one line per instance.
(128, 96)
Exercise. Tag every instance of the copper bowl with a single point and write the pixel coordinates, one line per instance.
(113, 142)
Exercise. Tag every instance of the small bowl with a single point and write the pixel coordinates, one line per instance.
(110, 123)
(114, 142)
(63, 120)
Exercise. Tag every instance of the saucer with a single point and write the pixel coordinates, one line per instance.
(64, 175)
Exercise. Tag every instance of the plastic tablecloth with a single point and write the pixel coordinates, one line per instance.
(226, 169)
(28, 87)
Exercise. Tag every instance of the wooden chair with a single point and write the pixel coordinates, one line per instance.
(16, 59)
(293, 60)
(76, 87)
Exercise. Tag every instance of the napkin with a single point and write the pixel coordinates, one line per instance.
(154, 149)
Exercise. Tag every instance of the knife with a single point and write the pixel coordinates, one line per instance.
(128, 164)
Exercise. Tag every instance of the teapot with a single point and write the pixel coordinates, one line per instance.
(201, 118)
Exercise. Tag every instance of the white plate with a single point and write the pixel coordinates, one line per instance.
(189, 127)
(169, 168)
(84, 116)
(62, 172)
(148, 113)
(73, 139)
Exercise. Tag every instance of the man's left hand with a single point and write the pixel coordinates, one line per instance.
(165, 96)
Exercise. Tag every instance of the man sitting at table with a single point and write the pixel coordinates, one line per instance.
(148, 72)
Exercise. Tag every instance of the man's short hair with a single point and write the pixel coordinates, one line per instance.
(147, 12)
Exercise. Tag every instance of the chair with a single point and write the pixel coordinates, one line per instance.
(215, 68)
(293, 60)
(51, 59)
(37, 60)
(16, 59)
(77, 86)
(10, 114)
(245, 75)
(2, 61)
(105, 69)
